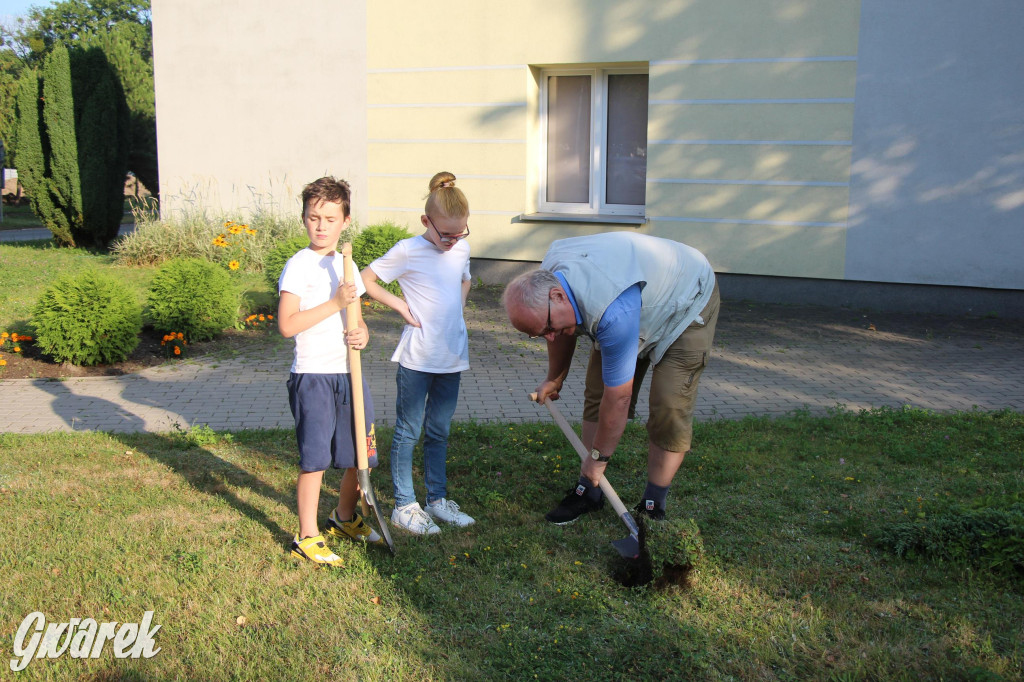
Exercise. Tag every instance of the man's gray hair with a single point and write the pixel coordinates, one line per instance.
(530, 289)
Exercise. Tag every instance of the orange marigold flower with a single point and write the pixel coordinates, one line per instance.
(2, 362)
(263, 318)
(270, 317)
(233, 265)
(17, 349)
(177, 351)
(181, 336)
(4, 335)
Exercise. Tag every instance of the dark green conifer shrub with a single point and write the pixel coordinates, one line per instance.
(102, 129)
(47, 151)
(195, 297)
(73, 141)
(87, 319)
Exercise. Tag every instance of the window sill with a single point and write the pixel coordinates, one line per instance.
(580, 218)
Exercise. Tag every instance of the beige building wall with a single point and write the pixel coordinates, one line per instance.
(256, 98)
(749, 131)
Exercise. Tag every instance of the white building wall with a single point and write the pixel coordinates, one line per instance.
(256, 98)
(937, 181)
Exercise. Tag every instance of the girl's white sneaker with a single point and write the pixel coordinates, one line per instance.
(412, 518)
(447, 511)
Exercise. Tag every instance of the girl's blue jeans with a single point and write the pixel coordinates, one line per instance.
(426, 403)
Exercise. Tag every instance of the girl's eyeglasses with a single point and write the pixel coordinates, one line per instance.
(448, 238)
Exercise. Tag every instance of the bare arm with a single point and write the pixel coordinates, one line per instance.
(466, 285)
(379, 293)
(357, 335)
(560, 352)
(611, 423)
(291, 320)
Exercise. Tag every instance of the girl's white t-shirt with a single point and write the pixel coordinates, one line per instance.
(431, 282)
(321, 349)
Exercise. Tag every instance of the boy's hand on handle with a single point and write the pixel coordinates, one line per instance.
(357, 338)
(345, 294)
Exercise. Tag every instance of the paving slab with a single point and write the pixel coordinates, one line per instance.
(768, 360)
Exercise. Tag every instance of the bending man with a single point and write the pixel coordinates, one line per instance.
(643, 301)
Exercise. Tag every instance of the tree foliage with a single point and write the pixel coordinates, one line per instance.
(11, 68)
(121, 45)
(123, 30)
(71, 21)
(46, 164)
(73, 135)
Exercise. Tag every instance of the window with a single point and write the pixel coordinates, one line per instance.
(594, 134)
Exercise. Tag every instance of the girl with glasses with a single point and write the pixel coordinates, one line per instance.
(433, 271)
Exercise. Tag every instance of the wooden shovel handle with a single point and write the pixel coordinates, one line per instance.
(581, 450)
(355, 367)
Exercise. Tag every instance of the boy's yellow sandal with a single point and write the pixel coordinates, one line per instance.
(356, 529)
(315, 549)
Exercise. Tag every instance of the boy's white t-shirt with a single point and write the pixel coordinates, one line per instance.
(431, 282)
(321, 349)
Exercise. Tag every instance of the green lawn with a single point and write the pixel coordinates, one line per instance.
(800, 519)
(22, 217)
(29, 267)
(19, 218)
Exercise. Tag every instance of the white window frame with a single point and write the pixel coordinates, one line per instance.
(597, 205)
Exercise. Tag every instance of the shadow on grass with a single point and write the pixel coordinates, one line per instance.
(211, 475)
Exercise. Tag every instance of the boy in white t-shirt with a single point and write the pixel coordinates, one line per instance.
(313, 301)
(433, 270)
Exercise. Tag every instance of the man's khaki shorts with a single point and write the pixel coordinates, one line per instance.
(673, 383)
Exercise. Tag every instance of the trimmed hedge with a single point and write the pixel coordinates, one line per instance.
(273, 262)
(195, 297)
(87, 319)
(374, 242)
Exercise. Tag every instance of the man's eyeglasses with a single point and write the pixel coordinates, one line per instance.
(548, 329)
(448, 238)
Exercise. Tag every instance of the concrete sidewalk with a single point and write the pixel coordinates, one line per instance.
(36, 233)
(768, 360)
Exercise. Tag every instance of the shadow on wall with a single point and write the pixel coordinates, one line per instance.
(936, 191)
(937, 184)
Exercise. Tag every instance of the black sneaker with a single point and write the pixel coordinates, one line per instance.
(574, 505)
(650, 510)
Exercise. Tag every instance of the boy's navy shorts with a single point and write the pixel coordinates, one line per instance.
(324, 428)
